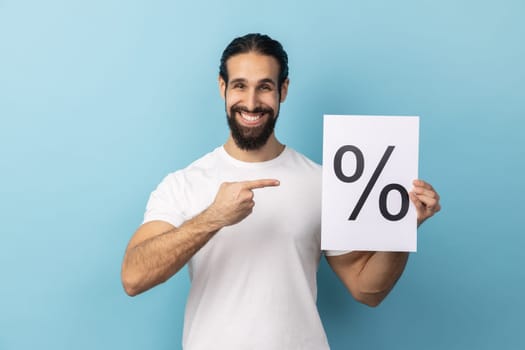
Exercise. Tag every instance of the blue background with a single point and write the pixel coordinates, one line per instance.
(100, 99)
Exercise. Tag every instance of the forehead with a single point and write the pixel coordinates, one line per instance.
(252, 66)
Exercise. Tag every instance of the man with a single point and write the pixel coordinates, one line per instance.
(246, 219)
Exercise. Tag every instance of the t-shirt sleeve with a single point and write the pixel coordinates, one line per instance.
(335, 252)
(165, 202)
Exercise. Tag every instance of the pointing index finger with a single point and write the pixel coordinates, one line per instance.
(261, 183)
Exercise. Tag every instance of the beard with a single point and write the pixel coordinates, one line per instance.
(251, 138)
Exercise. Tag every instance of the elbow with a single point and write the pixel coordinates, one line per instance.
(129, 286)
(130, 289)
(136, 282)
(130, 282)
(367, 296)
(371, 298)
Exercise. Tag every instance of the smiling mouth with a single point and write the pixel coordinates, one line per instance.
(251, 118)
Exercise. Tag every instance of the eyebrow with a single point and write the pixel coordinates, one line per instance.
(262, 81)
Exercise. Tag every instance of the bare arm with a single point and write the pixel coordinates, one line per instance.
(158, 250)
(370, 276)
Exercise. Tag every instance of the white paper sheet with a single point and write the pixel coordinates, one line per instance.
(352, 144)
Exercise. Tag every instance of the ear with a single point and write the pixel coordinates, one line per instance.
(284, 89)
(222, 87)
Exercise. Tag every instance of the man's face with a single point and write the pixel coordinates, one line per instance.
(252, 98)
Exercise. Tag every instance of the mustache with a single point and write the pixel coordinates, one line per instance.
(256, 110)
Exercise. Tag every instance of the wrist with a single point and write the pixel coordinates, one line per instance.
(211, 219)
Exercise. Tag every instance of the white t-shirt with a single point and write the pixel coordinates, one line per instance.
(254, 283)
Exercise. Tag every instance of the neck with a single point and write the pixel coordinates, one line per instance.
(269, 151)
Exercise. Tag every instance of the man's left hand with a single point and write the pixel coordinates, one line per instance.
(425, 199)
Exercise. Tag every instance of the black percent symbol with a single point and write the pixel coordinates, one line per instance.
(360, 166)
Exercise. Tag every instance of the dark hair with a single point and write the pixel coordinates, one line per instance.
(258, 43)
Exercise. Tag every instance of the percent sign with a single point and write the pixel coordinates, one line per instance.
(360, 166)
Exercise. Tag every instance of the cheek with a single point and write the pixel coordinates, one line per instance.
(272, 102)
(270, 99)
(232, 99)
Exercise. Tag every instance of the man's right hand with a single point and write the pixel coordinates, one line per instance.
(234, 200)
(158, 250)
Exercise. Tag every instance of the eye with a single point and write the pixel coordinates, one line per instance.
(265, 87)
(238, 86)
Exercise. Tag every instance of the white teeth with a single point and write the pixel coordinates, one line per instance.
(250, 118)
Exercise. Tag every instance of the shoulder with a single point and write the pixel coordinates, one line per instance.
(301, 160)
(200, 169)
(204, 164)
(184, 193)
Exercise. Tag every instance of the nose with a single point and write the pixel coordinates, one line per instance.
(251, 99)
